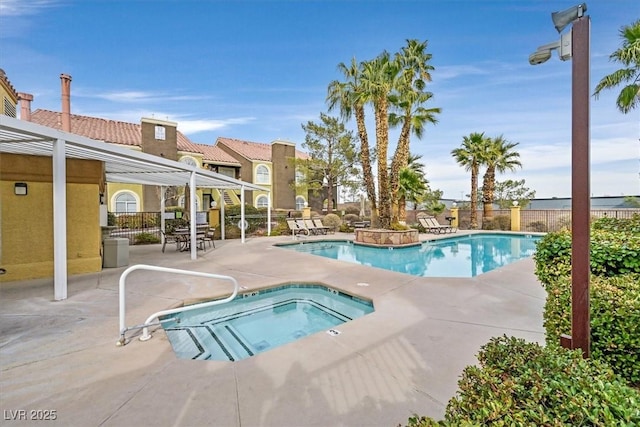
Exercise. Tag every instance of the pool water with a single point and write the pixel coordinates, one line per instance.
(460, 256)
(259, 321)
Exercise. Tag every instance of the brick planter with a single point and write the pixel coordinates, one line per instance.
(380, 237)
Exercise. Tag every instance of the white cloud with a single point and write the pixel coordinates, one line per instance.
(24, 7)
(136, 96)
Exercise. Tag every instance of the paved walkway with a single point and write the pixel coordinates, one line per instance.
(404, 358)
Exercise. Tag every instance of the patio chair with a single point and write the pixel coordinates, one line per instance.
(209, 237)
(318, 223)
(436, 225)
(312, 227)
(296, 229)
(170, 238)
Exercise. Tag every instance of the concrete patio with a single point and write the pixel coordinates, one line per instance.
(404, 358)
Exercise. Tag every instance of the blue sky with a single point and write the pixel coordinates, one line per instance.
(258, 70)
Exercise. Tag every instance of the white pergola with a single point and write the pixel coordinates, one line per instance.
(122, 165)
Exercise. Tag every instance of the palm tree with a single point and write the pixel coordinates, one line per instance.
(379, 77)
(407, 100)
(498, 156)
(348, 96)
(412, 184)
(413, 118)
(629, 56)
(469, 155)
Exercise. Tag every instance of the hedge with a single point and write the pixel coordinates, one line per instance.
(520, 383)
(614, 316)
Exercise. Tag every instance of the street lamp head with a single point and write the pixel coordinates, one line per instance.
(539, 56)
(564, 18)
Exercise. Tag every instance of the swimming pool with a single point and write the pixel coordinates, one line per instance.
(261, 320)
(460, 256)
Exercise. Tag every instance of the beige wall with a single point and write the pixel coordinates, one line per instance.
(26, 235)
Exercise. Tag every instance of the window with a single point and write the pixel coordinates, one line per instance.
(262, 201)
(160, 133)
(262, 174)
(299, 177)
(300, 203)
(187, 160)
(126, 203)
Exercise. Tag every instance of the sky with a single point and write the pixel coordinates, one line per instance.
(259, 70)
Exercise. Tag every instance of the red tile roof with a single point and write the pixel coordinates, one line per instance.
(214, 154)
(253, 150)
(116, 132)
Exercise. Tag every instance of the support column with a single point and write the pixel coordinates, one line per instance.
(515, 218)
(59, 220)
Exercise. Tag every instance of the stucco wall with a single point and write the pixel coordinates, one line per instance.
(26, 238)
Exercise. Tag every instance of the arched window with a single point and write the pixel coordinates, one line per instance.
(189, 161)
(262, 201)
(126, 202)
(300, 203)
(262, 174)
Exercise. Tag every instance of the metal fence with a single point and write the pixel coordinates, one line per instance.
(142, 227)
(540, 220)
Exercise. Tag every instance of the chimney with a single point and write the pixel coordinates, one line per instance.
(65, 79)
(25, 105)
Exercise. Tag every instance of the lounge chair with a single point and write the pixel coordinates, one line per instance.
(444, 228)
(296, 229)
(311, 226)
(318, 223)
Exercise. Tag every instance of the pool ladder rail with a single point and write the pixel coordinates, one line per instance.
(145, 326)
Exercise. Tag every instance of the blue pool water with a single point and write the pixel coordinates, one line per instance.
(460, 256)
(259, 321)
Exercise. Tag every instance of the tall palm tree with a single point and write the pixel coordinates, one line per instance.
(379, 77)
(408, 100)
(629, 56)
(470, 155)
(499, 156)
(348, 96)
(413, 117)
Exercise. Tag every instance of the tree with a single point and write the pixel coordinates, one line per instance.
(408, 111)
(379, 78)
(508, 191)
(498, 156)
(469, 155)
(629, 56)
(349, 97)
(332, 155)
(412, 185)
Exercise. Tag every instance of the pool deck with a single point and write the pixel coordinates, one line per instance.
(404, 358)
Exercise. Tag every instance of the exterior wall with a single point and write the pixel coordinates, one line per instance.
(246, 170)
(26, 236)
(283, 178)
(8, 97)
(167, 148)
(113, 188)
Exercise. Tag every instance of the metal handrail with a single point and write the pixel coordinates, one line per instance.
(145, 331)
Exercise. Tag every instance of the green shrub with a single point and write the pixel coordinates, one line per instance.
(145, 239)
(614, 318)
(500, 222)
(332, 220)
(537, 226)
(353, 210)
(611, 253)
(524, 384)
(351, 218)
(631, 225)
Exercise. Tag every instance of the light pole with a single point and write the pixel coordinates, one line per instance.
(575, 45)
